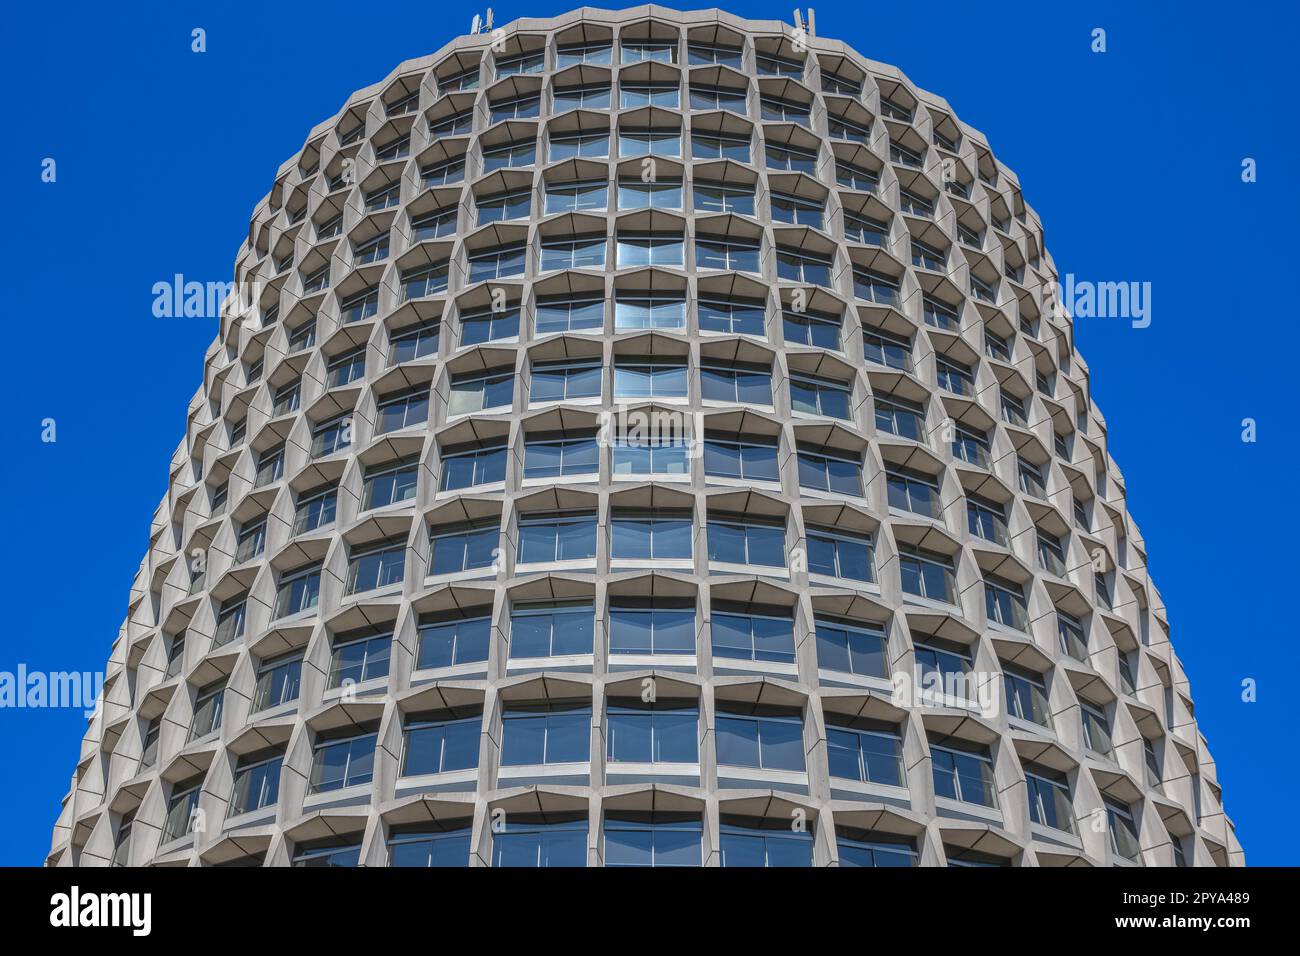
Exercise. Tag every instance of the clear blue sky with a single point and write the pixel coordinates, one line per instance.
(1132, 158)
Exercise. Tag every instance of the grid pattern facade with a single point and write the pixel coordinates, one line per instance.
(644, 437)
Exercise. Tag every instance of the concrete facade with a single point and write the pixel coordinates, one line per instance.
(869, 595)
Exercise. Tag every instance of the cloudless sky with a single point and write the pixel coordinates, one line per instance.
(1132, 158)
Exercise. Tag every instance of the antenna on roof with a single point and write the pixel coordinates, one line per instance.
(489, 20)
(798, 18)
(812, 22)
(475, 25)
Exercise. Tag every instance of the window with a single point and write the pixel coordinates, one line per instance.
(504, 206)
(1152, 763)
(840, 554)
(346, 368)
(855, 177)
(1004, 603)
(316, 509)
(782, 110)
(970, 446)
(1051, 553)
(732, 316)
(723, 198)
(927, 574)
(640, 627)
(649, 310)
(699, 54)
(650, 535)
(569, 314)
(384, 197)
(517, 155)
(846, 129)
(719, 146)
(649, 377)
(463, 547)
(209, 704)
(389, 484)
(835, 472)
(570, 54)
(954, 377)
(913, 491)
(377, 566)
(419, 847)
(995, 346)
(648, 94)
(649, 142)
(871, 850)
(1123, 830)
(546, 733)
(811, 328)
(653, 839)
(813, 395)
(651, 249)
(637, 51)
(331, 435)
(359, 659)
(556, 840)
(874, 286)
(414, 342)
(257, 784)
(182, 809)
(277, 681)
(1096, 729)
(341, 763)
(748, 458)
(1013, 409)
(582, 252)
(434, 225)
(1049, 798)
(649, 455)
(748, 842)
(149, 751)
(587, 145)
(365, 304)
(851, 648)
(1073, 638)
(963, 771)
(760, 738)
(576, 196)
(287, 399)
(466, 465)
(479, 390)
(745, 539)
(665, 731)
(865, 750)
(1030, 477)
(763, 634)
(595, 97)
(446, 643)
(230, 622)
(373, 250)
(794, 266)
(335, 852)
(913, 204)
(551, 630)
(554, 455)
(717, 98)
(122, 842)
(303, 337)
(730, 254)
(500, 262)
(565, 380)
(520, 64)
(1026, 695)
(986, 519)
(738, 382)
(403, 410)
(299, 591)
(562, 536)
(441, 742)
(445, 173)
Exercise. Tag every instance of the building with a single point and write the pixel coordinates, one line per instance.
(644, 437)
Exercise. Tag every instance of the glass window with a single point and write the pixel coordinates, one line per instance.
(556, 732)
(666, 731)
(355, 661)
(257, 785)
(928, 575)
(963, 774)
(551, 630)
(743, 540)
(546, 457)
(840, 554)
(465, 466)
(418, 848)
(653, 839)
(278, 679)
(770, 742)
(464, 547)
(376, 567)
(564, 536)
(647, 629)
(747, 842)
(337, 764)
(390, 483)
(460, 641)
(536, 842)
(753, 636)
(865, 750)
(441, 743)
(851, 648)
